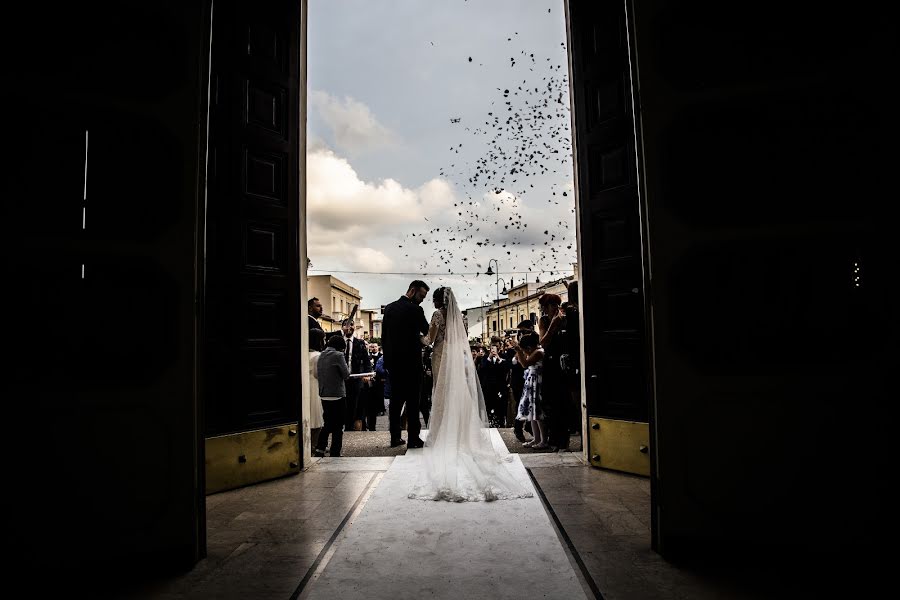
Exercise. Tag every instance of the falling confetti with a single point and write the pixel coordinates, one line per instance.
(508, 150)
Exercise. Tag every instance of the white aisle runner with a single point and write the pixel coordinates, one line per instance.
(399, 549)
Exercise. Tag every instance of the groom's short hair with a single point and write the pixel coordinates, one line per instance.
(418, 283)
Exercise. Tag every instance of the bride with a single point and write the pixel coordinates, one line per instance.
(459, 462)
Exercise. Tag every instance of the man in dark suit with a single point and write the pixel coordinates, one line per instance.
(314, 308)
(374, 403)
(356, 354)
(495, 385)
(403, 331)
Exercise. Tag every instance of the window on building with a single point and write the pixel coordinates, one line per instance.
(495, 325)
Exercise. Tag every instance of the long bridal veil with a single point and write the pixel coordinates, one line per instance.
(459, 462)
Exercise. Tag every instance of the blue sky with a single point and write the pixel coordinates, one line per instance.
(393, 94)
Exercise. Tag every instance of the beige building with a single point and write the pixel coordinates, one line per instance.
(370, 320)
(521, 303)
(338, 299)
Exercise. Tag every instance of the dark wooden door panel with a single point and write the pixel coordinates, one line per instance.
(101, 199)
(768, 156)
(608, 204)
(252, 302)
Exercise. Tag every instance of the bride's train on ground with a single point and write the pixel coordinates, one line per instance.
(459, 463)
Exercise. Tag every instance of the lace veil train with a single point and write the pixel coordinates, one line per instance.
(458, 462)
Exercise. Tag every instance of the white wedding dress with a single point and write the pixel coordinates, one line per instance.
(458, 462)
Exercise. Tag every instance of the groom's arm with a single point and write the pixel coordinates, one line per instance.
(422, 326)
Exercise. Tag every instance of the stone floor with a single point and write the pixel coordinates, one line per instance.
(272, 539)
(433, 549)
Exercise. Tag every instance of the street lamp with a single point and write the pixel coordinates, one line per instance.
(497, 283)
(527, 298)
(484, 304)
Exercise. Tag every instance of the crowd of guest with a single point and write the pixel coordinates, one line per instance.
(346, 394)
(530, 379)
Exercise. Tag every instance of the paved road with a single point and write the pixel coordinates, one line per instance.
(377, 443)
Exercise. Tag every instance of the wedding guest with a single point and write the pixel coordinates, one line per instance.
(531, 404)
(314, 307)
(356, 354)
(333, 374)
(571, 362)
(382, 375)
(375, 392)
(374, 352)
(494, 383)
(316, 414)
(555, 392)
(517, 378)
(376, 406)
(510, 401)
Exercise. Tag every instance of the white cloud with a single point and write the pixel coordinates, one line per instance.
(505, 200)
(370, 259)
(315, 144)
(338, 200)
(366, 227)
(357, 225)
(351, 252)
(437, 196)
(352, 124)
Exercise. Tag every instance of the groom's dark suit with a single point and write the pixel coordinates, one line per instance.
(402, 328)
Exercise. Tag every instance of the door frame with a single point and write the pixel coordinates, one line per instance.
(646, 271)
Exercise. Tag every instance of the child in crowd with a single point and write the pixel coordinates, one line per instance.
(531, 357)
(333, 373)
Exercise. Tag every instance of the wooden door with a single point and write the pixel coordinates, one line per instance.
(611, 268)
(101, 206)
(252, 303)
(768, 152)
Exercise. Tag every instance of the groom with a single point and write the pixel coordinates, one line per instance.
(403, 330)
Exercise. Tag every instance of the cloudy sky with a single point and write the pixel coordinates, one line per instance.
(438, 140)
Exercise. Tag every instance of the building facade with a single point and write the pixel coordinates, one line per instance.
(500, 318)
(338, 299)
(370, 322)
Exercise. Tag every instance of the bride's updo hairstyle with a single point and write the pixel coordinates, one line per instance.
(438, 298)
